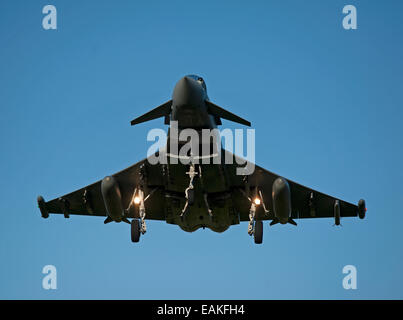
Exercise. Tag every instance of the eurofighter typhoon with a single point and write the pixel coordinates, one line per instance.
(197, 189)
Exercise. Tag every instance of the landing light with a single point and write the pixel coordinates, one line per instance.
(136, 200)
(257, 201)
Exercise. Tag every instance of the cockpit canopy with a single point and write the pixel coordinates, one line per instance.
(199, 79)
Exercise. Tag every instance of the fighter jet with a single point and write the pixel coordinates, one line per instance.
(197, 194)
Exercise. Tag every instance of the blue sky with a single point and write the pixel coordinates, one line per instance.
(326, 104)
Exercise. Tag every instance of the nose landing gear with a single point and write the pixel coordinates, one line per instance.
(189, 192)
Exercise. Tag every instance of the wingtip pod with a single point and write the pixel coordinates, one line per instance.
(362, 209)
(42, 207)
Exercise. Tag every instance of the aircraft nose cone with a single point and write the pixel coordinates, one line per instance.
(183, 86)
(185, 81)
(187, 92)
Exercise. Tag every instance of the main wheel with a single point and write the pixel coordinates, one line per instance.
(135, 230)
(258, 233)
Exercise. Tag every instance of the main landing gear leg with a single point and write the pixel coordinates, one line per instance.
(251, 225)
(255, 227)
(142, 212)
(138, 226)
